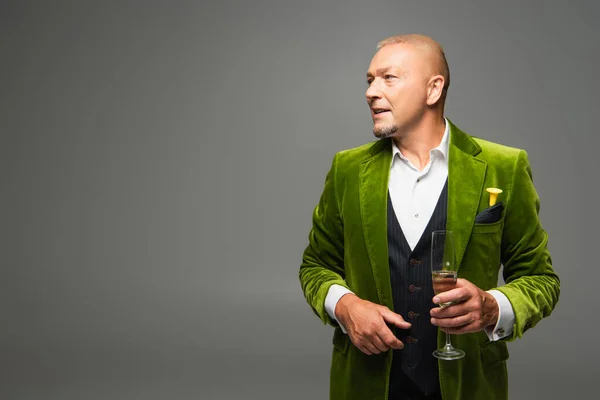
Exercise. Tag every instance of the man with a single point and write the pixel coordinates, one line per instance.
(366, 270)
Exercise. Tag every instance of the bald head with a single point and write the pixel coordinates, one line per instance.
(429, 49)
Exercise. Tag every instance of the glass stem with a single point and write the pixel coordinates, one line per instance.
(448, 343)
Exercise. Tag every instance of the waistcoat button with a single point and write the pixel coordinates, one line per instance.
(414, 262)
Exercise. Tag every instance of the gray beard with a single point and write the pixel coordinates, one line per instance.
(386, 132)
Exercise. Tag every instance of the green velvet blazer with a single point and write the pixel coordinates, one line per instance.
(348, 246)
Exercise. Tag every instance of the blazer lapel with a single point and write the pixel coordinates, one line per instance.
(466, 176)
(373, 191)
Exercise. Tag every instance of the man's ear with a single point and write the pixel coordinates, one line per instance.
(435, 88)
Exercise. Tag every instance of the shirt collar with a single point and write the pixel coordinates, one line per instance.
(442, 148)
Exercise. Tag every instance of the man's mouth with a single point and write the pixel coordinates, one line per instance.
(378, 111)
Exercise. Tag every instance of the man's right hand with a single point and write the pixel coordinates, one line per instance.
(365, 323)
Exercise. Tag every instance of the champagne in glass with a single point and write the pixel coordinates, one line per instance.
(444, 275)
(443, 281)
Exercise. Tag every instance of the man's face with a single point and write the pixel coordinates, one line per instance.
(397, 79)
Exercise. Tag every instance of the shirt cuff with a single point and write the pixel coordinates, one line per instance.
(334, 294)
(506, 318)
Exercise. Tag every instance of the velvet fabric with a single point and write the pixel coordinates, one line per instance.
(348, 246)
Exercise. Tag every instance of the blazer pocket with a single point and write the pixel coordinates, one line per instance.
(494, 227)
(341, 341)
(490, 215)
(493, 353)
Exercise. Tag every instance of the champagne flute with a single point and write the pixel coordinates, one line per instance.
(443, 274)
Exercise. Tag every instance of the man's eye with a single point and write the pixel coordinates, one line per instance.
(388, 77)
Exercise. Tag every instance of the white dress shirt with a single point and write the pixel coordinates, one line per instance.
(417, 193)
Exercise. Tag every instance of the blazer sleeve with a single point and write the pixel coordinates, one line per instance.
(532, 286)
(323, 260)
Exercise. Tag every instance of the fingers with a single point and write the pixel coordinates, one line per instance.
(375, 342)
(463, 292)
(453, 322)
(369, 349)
(368, 330)
(466, 316)
(451, 311)
(455, 315)
(473, 327)
(457, 295)
(393, 318)
(382, 340)
(380, 343)
(390, 340)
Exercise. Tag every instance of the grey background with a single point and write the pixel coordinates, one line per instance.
(161, 160)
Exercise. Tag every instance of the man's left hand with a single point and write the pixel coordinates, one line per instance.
(474, 309)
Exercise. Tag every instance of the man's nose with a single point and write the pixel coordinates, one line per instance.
(373, 91)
